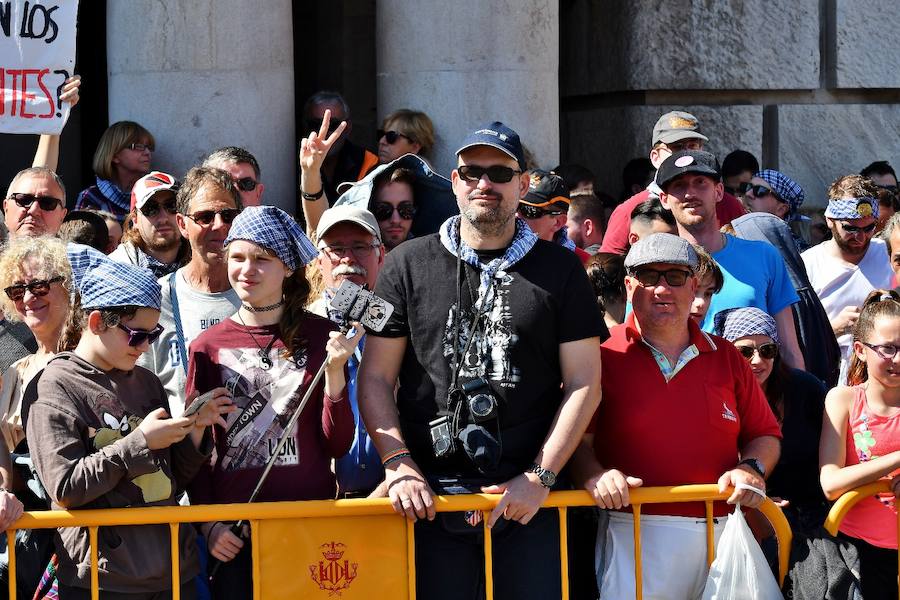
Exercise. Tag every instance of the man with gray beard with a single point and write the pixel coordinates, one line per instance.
(350, 248)
(494, 342)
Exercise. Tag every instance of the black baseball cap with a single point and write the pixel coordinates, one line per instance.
(546, 188)
(499, 136)
(687, 161)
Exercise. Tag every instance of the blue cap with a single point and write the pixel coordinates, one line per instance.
(499, 136)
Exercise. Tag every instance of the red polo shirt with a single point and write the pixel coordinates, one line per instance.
(687, 430)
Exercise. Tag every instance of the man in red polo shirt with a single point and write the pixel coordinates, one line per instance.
(673, 132)
(679, 407)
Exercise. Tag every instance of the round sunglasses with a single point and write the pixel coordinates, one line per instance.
(385, 210)
(151, 208)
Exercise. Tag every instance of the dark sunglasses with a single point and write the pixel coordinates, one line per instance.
(246, 184)
(761, 191)
(650, 277)
(384, 210)
(496, 173)
(533, 212)
(767, 351)
(316, 124)
(741, 189)
(136, 337)
(151, 209)
(205, 217)
(38, 287)
(856, 229)
(44, 202)
(391, 137)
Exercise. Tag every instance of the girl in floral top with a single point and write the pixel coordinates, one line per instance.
(860, 441)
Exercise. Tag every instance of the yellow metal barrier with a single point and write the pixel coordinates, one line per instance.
(281, 531)
(849, 499)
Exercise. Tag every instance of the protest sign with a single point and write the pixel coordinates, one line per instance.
(37, 54)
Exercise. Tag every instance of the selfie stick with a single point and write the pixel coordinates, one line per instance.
(237, 528)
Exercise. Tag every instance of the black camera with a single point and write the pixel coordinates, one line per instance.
(442, 441)
(480, 399)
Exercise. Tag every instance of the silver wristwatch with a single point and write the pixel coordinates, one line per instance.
(545, 476)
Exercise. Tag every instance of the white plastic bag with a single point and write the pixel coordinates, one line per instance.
(740, 570)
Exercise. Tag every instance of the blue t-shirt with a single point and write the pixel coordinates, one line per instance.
(754, 275)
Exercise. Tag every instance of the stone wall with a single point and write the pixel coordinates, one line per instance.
(809, 86)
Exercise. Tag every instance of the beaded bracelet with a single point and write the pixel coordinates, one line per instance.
(395, 455)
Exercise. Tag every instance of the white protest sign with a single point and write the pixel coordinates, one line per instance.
(37, 54)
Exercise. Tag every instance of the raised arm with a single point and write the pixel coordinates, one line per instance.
(313, 150)
(47, 154)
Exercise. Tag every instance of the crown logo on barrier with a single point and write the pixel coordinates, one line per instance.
(334, 574)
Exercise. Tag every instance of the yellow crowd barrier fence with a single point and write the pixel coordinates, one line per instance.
(357, 548)
(842, 505)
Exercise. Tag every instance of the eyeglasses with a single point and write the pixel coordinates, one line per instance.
(246, 184)
(360, 251)
(741, 189)
(151, 209)
(761, 191)
(391, 137)
(533, 212)
(856, 229)
(885, 351)
(38, 287)
(496, 173)
(205, 217)
(767, 351)
(136, 337)
(385, 210)
(650, 277)
(44, 202)
(316, 124)
(694, 144)
(140, 147)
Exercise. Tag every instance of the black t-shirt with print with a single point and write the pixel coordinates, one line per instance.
(544, 300)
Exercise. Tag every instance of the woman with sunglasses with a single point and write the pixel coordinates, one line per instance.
(122, 157)
(268, 353)
(404, 131)
(796, 398)
(860, 442)
(775, 193)
(394, 206)
(101, 437)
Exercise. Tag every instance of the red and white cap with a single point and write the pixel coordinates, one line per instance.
(149, 184)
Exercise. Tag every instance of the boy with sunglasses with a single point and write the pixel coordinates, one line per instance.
(545, 208)
(844, 269)
(101, 436)
(152, 239)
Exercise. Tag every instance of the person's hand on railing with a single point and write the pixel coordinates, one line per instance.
(744, 497)
(222, 543)
(410, 494)
(160, 431)
(610, 488)
(522, 497)
(10, 509)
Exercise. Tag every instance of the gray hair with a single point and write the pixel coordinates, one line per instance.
(231, 154)
(889, 227)
(38, 172)
(326, 97)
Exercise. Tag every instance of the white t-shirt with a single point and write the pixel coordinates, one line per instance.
(840, 284)
(199, 311)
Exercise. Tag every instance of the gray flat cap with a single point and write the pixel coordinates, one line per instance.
(662, 248)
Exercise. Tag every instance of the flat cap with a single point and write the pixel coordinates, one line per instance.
(662, 248)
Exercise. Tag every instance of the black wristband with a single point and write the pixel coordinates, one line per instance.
(315, 196)
(754, 464)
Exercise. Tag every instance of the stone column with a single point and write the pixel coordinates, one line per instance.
(469, 62)
(204, 74)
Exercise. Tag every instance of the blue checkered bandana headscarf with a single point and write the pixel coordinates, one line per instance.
(272, 228)
(523, 240)
(852, 208)
(735, 323)
(788, 190)
(105, 283)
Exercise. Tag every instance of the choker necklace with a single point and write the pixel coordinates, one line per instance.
(257, 309)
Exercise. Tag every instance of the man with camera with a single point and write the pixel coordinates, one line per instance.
(494, 344)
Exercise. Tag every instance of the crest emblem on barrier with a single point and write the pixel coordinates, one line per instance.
(333, 573)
